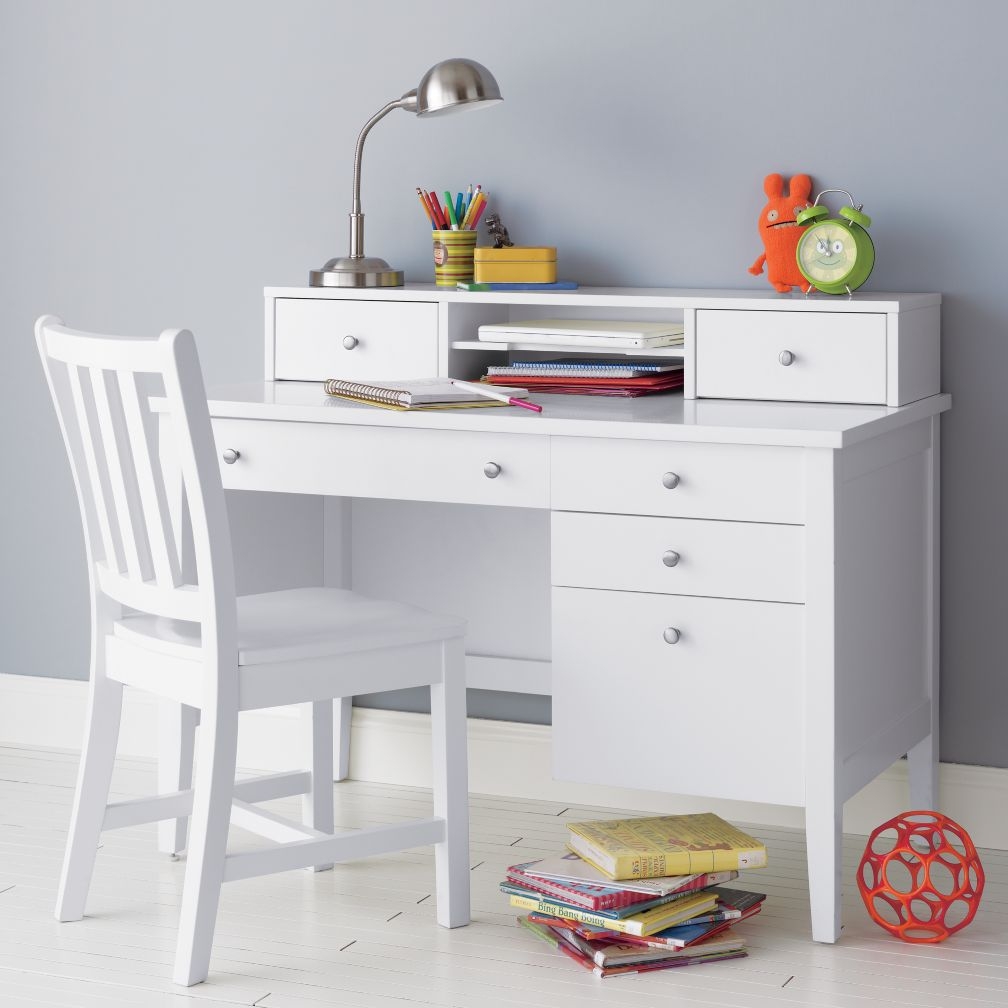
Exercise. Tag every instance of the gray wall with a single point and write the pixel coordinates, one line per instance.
(162, 162)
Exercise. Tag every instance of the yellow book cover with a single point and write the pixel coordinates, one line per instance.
(650, 847)
(648, 922)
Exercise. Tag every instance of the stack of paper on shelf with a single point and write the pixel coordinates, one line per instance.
(641, 920)
(603, 334)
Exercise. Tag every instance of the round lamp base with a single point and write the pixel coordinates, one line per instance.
(364, 271)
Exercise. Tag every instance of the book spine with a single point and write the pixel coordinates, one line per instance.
(575, 913)
(568, 894)
(654, 865)
(361, 390)
(713, 918)
(651, 902)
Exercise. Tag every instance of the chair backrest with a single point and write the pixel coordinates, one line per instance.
(132, 505)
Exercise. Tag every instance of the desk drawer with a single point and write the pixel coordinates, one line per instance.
(740, 482)
(678, 556)
(386, 462)
(833, 357)
(316, 338)
(720, 712)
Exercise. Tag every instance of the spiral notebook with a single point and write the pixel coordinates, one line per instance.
(413, 393)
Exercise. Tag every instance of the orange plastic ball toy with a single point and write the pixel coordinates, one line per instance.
(920, 877)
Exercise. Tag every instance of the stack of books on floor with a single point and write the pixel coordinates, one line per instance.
(583, 376)
(642, 894)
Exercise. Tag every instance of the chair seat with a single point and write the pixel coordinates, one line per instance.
(299, 623)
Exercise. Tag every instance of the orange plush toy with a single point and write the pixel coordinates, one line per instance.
(780, 232)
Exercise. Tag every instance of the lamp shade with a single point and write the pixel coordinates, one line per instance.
(454, 83)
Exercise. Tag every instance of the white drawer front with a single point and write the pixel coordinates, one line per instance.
(837, 357)
(385, 462)
(740, 482)
(383, 339)
(679, 556)
(718, 713)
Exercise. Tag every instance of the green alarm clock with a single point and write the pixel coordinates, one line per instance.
(835, 254)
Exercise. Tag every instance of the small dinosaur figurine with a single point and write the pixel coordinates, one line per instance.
(780, 231)
(498, 232)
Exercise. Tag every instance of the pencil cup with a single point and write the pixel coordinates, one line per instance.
(453, 257)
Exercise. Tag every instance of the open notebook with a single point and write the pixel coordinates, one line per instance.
(414, 393)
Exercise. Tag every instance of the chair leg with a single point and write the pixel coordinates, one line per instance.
(176, 744)
(94, 779)
(451, 787)
(213, 793)
(341, 728)
(317, 804)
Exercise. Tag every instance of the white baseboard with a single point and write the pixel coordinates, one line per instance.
(505, 758)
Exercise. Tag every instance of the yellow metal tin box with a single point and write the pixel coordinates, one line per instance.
(517, 264)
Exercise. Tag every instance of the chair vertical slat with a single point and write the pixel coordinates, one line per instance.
(91, 462)
(115, 454)
(153, 498)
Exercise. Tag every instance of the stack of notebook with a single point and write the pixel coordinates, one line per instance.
(590, 376)
(594, 373)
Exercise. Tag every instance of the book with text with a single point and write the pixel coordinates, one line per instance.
(587, 895)
(651, 846)
(645, 923)
(732, 905)
(567, 941)
(570, 867)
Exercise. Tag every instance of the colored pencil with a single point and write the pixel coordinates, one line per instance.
(426, 206)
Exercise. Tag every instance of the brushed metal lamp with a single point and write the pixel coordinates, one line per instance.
(449, 86)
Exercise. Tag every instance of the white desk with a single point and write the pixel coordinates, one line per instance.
(773, 559)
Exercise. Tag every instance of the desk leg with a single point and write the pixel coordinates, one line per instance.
(823, 835)
(823, 803)
(922, 759)
(342, 715)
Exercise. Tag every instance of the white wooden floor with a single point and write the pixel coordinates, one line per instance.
(364, 936)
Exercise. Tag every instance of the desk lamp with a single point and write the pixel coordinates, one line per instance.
(447, 87)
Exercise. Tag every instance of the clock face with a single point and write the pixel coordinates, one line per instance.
(828, 253)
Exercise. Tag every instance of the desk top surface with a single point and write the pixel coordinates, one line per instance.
(661, 417)
(758, 299)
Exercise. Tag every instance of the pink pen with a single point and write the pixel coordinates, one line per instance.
(490, 393)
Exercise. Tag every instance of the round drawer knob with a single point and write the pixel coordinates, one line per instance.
(231, 456)
(491, 470)
(349, 342)
(670, 558)
(670, 480)
(786, 358)
(670, 635)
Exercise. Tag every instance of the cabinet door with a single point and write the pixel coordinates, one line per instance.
(316, 338)
(717, 712)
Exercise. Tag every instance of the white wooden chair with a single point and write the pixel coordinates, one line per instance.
(197, 645)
